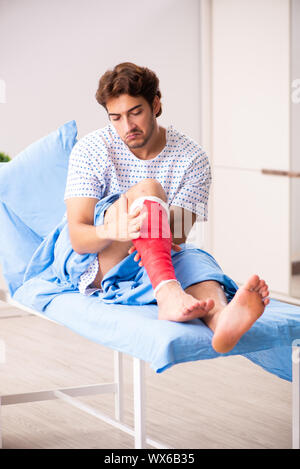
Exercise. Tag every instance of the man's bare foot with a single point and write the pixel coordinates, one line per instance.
(239, 315)
(174, 304)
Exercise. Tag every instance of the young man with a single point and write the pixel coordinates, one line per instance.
(140, 170)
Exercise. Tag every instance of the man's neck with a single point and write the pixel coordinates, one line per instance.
(153, 147)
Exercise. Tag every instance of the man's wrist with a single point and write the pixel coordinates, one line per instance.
(104, 233)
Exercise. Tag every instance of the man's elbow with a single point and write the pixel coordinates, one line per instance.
(78, 250)
(74, 240)
(76, 247)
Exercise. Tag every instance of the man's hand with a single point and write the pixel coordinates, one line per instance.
(137, 257)
(125, 226)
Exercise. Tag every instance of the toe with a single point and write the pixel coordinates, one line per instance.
(210, 304)
(264, 292)
(261, 284)
(185, 312)
(252, 282)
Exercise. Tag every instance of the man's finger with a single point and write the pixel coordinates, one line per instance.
(136, 257)
(123, 203)
(135, 213)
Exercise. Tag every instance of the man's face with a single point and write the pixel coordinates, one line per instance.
(133, 119)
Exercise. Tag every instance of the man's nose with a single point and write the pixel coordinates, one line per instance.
(129, 125)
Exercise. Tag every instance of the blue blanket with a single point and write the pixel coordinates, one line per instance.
(124, 315)
(56, 268)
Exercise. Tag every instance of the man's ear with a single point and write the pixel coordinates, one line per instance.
(156, 105)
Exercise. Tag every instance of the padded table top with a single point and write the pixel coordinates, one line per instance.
(135, 330)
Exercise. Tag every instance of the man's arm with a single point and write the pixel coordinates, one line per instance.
(84, 236)
(181, 223)
(87, 238)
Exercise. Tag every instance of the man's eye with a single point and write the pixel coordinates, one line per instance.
(116, 118)
(136, 113)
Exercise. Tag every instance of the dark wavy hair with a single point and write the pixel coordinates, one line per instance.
(128, 78)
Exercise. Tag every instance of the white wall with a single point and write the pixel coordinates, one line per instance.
(295, 134)
(53, 52)
(251, 132)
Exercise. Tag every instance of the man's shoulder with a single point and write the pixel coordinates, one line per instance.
(185, 143)
(105, 134)
(181, 139)
(96, 139)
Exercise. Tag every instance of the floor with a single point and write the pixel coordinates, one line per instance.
(220, 403)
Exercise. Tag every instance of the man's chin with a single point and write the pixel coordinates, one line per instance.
(134, 145)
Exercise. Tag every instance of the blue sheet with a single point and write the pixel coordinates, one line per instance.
(124, 315)
(135, 330)
(56, 268)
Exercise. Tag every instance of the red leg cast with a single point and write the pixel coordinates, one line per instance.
(154, 244)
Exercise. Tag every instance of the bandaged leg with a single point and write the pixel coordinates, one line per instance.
(155, 241)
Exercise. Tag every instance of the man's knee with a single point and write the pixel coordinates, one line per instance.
(143, 188)
(148, 186)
